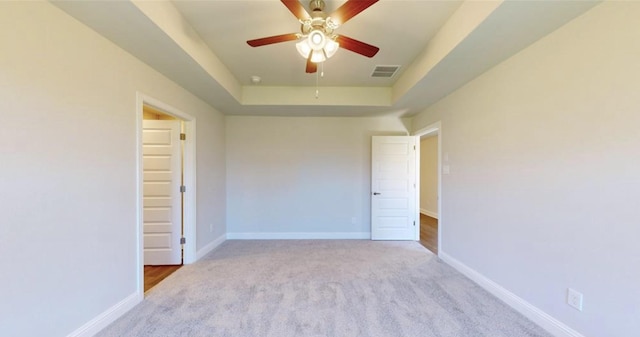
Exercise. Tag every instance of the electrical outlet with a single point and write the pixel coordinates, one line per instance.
(210, 228)
(574, 299)
(353, 220)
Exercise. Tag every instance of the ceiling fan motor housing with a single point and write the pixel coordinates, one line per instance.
(318, 21)
(316, 5)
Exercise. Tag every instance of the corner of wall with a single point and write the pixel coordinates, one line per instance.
(202, 252)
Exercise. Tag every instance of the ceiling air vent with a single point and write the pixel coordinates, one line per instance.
(384, 71)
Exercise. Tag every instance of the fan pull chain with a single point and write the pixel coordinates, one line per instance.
(318, 75)
(317, 90)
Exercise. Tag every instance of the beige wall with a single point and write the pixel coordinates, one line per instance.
(68, 148)
(429, 176)
(545, 173)
(301, 176)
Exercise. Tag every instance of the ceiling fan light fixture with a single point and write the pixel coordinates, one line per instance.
(316, 40)
(319, 45)
(303, 48)
(331, 47)
(318, 56)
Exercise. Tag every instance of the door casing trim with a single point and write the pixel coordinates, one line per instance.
(189, 229)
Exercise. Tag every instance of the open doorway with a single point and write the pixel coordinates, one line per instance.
(166, 191)
(429, 187)
(163, 203)
(429, 192)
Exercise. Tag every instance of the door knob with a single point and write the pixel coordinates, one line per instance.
(376, 193)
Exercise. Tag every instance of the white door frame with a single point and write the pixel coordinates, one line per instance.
(434, 128)
(189, 172)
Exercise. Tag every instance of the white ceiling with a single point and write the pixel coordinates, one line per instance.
(440, 45)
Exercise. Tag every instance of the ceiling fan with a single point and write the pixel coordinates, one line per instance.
(317, 40)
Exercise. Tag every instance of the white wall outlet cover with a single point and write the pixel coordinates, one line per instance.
(446, 169)
(574, 299)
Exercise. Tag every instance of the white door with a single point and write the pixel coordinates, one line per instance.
(161, 154)
(393, 199)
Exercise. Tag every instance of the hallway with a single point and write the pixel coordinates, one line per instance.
(429, 233)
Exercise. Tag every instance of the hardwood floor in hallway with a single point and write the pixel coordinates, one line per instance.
(429, 232)
(155, 274)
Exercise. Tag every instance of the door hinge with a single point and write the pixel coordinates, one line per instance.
(183, 189)
(183, 136)
(183, 241)
(414, 223)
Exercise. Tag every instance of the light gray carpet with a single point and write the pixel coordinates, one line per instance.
(321, 288)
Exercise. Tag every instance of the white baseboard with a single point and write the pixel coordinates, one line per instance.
(107, 317)
(110, 315)
(552, 325)
(210, 246)
(299, 236)
(429, 213)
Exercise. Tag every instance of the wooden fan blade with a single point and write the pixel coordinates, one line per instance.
(272, 39)
(296, 8)
(350, 9)
(311, 67)
(357, 46)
